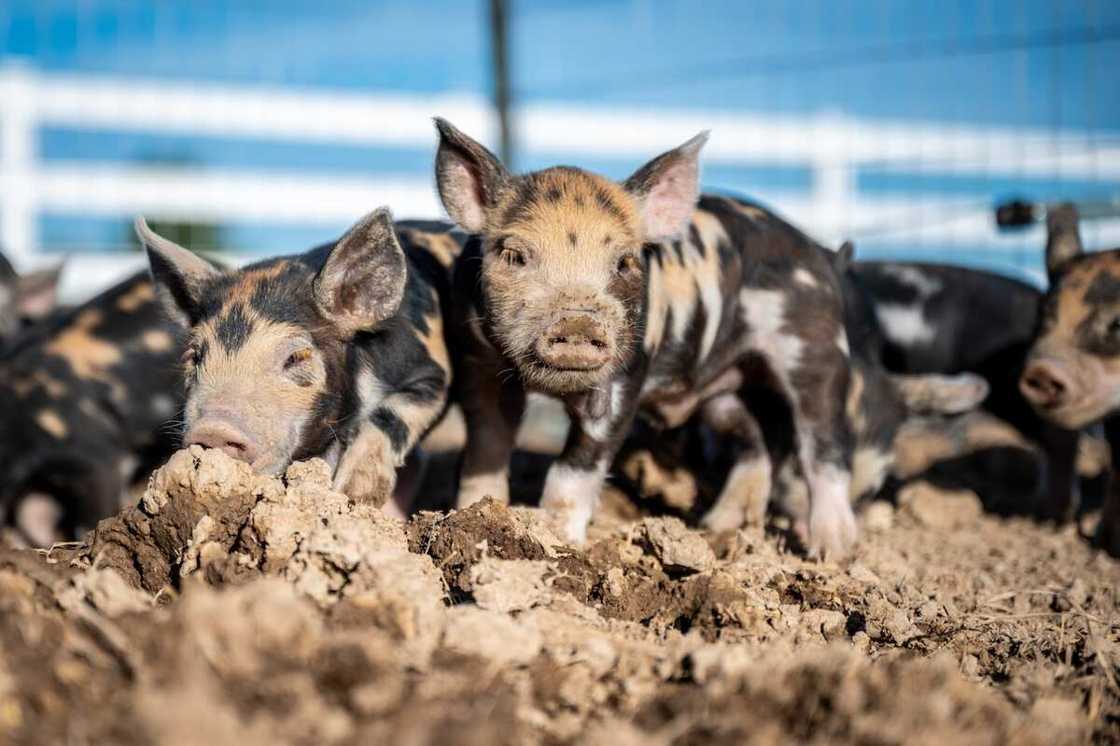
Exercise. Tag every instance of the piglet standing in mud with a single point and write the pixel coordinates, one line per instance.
(337, 353)
(641, 295)
(1072, 375)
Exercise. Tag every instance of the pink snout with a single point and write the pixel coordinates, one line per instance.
(222, 435)
(1046, 384)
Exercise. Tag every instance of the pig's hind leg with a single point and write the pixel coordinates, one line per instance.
(746, 492)
(825, 444)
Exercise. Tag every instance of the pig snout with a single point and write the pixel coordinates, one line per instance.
(574, 343)
(222, 435)
(1046, 384)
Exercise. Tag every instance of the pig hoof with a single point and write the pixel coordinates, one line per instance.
(570, 519)
(368, 484)
(832, 530)
(477, 488)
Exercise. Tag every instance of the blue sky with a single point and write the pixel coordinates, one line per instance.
(1032, 63)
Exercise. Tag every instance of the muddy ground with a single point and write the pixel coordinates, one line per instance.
(228, 608)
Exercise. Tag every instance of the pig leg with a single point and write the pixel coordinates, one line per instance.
(1108, 531)
(573, 483)
(824, 450)
(746, 492)
(1060, 501)
(492, 411)
(367, 469)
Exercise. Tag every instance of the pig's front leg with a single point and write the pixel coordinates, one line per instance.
(599, 422)
(1108, 530)
(492, 410)
(367, 469)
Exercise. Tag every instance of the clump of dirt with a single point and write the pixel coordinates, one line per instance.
(227, 607)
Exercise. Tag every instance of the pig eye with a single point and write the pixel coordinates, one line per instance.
(1114, 326)
(628, 263)
(513, 257)
(297, 358)
(190, 357)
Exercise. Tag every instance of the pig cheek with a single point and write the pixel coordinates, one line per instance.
(520, 311)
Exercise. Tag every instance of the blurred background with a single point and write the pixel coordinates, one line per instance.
(257, 127)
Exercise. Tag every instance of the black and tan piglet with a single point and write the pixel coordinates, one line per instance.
(644, 296)
(337, 353)
(88, 398)
(1072, 374)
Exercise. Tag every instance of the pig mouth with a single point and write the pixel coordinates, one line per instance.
(1076, 414)
(553, 379)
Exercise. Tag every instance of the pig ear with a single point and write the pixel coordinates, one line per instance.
(667, 189)
(469, 177)
(362, 282)
(37, 292)
(844, 257)
(178, 273)
(1063, 239)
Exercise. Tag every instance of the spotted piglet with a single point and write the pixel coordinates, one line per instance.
(1072, 374)
(88, 398)
(338, 352)
(643, 295)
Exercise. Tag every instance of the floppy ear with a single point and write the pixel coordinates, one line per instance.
(37, 292)
(179, 274)
(667, 189)
(362, 282)
(1063, 239)
(469, 177)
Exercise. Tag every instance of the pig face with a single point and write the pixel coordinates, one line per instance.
(265, 365)
(563, 276)
(1072, 375)
(25, 298)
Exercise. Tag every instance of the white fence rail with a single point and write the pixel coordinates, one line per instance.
(832, 147)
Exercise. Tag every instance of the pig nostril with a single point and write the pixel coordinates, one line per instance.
(557, 340)
(599, 344)
(234, 445)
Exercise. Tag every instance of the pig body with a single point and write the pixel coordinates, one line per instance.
(945, 319)
(1072, 374)
(337, 353)
(87, 398)
(876, 407)
(625, 298)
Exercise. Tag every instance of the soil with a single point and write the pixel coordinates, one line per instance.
(230, 608)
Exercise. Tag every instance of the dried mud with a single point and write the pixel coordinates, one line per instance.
(228, 608)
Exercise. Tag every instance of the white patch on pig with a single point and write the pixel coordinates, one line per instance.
(915, 278)
(711, 297)
(805, 277)
(842, 342)
(832, 524)
(571, 495)
(127, 466)
(600, 428)
(870, 467)
(163, 405)
(904, 325)
(37, 517)
(764, 312)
